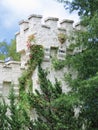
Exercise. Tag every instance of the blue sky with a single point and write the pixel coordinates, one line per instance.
(13, 11)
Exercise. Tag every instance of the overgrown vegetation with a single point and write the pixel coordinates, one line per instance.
(85, 62)
(56, 110)
(25, 81)
(58, 64)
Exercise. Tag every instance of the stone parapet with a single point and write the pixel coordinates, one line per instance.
(51, 22)
(23, 25)
(45, 35)
(67, 24)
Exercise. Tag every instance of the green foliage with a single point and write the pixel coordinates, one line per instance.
(13, 116)
(3, 115)
(84, 8)
(17, 116)
(55, 109)
(25, 81)
(36, 55)
(9, 50)
(85, 62)
(12, 51)
(3, 50)
(58, 64)
(89, 111)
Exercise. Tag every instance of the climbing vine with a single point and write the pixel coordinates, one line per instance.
(25, 81)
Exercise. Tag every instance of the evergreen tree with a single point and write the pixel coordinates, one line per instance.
(55, 110)
(3, 116)
(17, 119)
(85, 62)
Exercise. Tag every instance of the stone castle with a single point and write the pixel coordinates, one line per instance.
(47, 35)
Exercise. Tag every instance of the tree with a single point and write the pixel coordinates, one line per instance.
(12, 51)
(9, 50)
(3, 50)
(55, 110)
(18, 118)
(84, 7)
(85, 62)
(3, 116)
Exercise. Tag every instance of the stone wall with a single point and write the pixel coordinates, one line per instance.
(9, 73)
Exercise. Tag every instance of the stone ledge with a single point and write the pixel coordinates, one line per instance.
(51, 18)
(66, 21)
(45, 26)
(26, 29)
(7, 66)
(61, 29)
(23, 21)
(1, 61)
(12, 62)
(35, 16)
(77, 24)
(17, 33)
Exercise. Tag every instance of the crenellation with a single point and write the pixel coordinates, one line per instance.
(26, 29)
(34, 22)
(51, 22)
(67, 24)
(45, 34)
(79, 26)
(45, 26)
(34, 16)
(23, 25)
(61, 29)
(17, 33)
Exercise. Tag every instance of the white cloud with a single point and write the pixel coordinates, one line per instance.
(12, 11)
(23, 8)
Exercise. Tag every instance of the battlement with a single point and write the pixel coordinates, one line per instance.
(46, 34)
(51, 33)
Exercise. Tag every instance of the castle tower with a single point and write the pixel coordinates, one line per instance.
(50, 36)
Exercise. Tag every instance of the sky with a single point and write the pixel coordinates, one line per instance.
(13, 11)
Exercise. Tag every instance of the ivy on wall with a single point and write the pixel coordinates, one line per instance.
(25, 81)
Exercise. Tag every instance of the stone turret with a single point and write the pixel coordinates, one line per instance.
(78, 26)
(46, 35)
(67, 24)
(51, 22)
(34, 21)
(23, 25)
